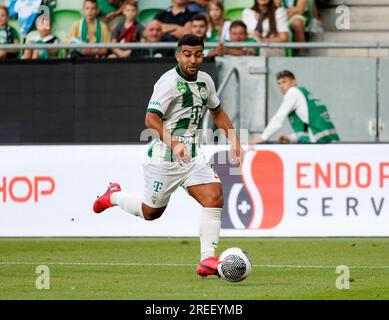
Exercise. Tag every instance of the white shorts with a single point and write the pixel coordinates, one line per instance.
(163, 178)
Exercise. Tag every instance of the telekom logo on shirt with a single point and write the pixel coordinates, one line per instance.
(254, 200)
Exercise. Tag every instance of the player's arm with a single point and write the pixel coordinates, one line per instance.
(223, 122)
(175, 29)
(154, 122)
(158, 105)
(287, 106)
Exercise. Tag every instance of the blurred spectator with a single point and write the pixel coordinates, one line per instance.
(316, 24)
(153, 33)
(219, 28)
(8, 35)
(307, 116)
(49, 3)
(238, 33)
(111, 11)
(128, 31)
(26, 12)
(199, 28)
(298, 17)
(175, 20)
(89, 29)
(267, 23)
(308, 14)
(198, 6)
(110, 8)
(43, 26)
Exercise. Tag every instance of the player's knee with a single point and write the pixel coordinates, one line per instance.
(153, 214)
(214, 201)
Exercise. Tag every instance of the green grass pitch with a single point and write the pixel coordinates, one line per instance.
(160, 268)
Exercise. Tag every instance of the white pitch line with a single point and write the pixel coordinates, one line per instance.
(108, 264)
(111, 264)
(316, 267)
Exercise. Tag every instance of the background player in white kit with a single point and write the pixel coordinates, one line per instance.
(180, 99)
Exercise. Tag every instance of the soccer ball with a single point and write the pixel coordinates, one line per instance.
(235, 265)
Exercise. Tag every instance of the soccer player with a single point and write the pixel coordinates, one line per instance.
(178, 104)
(307, 116)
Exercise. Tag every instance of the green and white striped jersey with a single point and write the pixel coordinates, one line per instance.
(181, 103)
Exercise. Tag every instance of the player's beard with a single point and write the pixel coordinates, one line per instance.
(191, 71)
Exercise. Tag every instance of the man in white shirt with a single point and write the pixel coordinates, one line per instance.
(175, 112)
(307, 116)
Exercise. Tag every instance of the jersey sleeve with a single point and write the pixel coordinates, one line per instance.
(288, 105)
(162, 97)
(213, 99)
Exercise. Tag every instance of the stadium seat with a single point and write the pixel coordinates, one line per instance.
(148, 9)
(61, 35)
(63, 21)
(234, 8)
(69, 5)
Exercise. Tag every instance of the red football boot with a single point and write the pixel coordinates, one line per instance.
(103, 202)
(208, 267)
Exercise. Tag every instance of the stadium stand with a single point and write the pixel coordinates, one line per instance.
(69, 5)
(148, 9)
(368, 23)
(63, 21)
(234, 8)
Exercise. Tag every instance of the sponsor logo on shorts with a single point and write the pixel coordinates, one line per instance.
(157, 187)
(154, 199)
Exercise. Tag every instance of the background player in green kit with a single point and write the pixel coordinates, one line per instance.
(175, 112)
(307, 116)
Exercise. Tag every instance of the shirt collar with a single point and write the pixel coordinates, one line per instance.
(184, 76)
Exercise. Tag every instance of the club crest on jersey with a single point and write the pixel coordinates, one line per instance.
(204, 93)
(181, 87)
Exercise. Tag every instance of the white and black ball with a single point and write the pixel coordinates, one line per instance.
(234, 265)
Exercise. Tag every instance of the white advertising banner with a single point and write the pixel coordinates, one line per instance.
(280, 191)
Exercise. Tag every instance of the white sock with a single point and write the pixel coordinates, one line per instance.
(130, 202)
(209, 230)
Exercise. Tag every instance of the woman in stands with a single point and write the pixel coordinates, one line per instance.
(267, 23)
(8, 35)
(219, 29)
